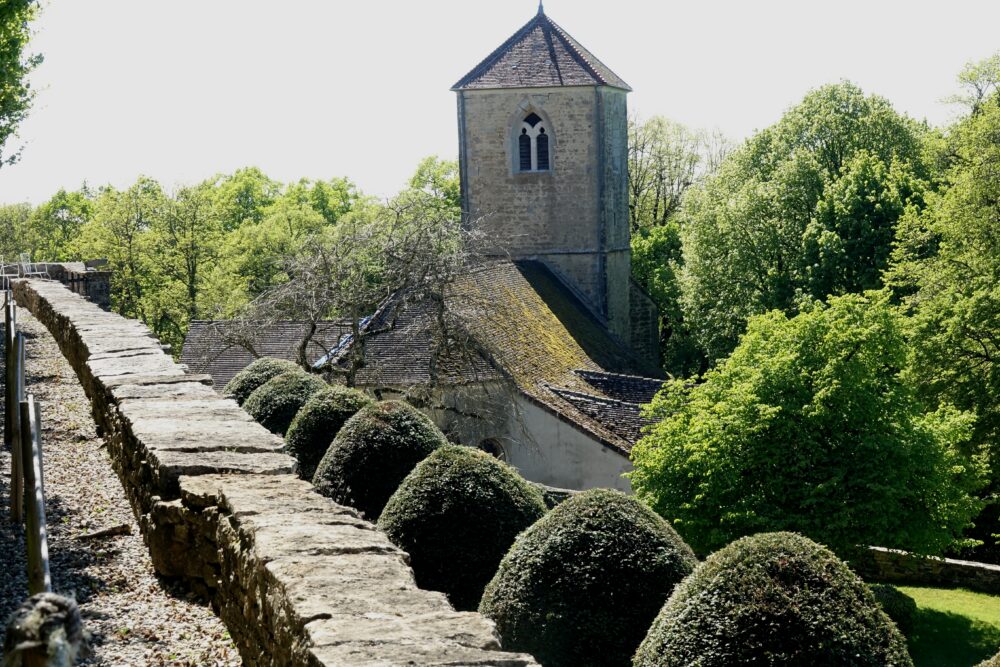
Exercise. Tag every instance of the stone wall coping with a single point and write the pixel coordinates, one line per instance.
(297, 578)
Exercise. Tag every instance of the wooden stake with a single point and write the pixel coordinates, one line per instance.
(39, 579)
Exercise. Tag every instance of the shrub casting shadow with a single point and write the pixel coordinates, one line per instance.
(943, 639)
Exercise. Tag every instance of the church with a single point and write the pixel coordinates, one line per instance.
(565, 343)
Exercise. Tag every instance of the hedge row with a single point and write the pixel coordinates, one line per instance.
(600, 577)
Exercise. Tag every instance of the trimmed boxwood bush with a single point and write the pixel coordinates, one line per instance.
(772, 599)
(373, 452)
(897, 605)
(260, 371)
(992, 662)
(585, 581)
(316, 424)
(457, 514)
(275, 403)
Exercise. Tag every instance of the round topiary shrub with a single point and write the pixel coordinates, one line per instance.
(316, 424)
(772, 599)
(457, 514)
(897, 605)
(260, 371)
(373, 452)
(991, 662)
(275, 403)
(585, 581)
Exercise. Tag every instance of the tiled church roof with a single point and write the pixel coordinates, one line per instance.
(623, 418)
(510, 322)
(629, 388)
(206, 349)
(540, 54)
(523, 324)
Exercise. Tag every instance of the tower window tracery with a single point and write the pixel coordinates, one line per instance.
(533, 151)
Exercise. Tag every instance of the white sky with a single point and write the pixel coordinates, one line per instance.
(182, 89)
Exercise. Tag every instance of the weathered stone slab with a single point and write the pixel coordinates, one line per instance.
(352, 585)
(177, 435)
(408, 654)
(163, 391)
(280, 541)
(167, 466)
(208, 409)
(145, 380)
(145, 364)
(467, 629)
(241, 496)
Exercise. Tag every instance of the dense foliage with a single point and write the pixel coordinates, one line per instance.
(947, 268)
(586, 580)
(808, 206)
(318, 422)
(15, 64)
(810, 426)
(772, 599)
(456, 515)
(275, 403)
(372, 454)
(209, 250)
(257, 373)
(992, 662)
(897, 605)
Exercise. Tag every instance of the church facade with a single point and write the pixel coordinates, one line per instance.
(559, 346)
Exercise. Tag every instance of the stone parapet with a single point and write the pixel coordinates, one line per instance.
(901, 567)
(297, 578)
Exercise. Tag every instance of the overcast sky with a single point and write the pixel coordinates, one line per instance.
(182, 89)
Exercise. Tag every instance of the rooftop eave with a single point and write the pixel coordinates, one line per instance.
(461, 89)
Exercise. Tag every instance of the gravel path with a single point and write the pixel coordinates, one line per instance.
(135, 618)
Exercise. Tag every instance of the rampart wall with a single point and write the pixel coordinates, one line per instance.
(298, 579)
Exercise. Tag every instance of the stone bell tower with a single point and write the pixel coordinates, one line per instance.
(543, 149)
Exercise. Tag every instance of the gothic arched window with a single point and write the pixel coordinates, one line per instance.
(533, 144)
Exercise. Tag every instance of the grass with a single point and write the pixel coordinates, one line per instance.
(953, 627)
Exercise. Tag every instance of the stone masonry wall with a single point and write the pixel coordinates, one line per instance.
(900, 567)
(298, 579)
(573, 217)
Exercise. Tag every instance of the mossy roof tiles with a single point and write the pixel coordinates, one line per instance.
(521, 323)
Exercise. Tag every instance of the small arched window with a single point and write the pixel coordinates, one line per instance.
(493, 448)
(533, 145)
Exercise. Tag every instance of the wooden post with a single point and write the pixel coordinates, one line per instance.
(39, 579)
(17, 461)
(8, 386)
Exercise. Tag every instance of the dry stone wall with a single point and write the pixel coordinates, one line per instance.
(900, 567)
(298, 579)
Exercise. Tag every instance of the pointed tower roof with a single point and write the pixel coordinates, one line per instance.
(540, 54)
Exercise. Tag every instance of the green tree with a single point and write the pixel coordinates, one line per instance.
(979, 81)
(439, 179)
(118, 231)
(14, 230)
(331, 199)
(666, 158)
(15, 64)
(947, 269)
(180, 245)
(243, 196)
(811, 426)
(807, 207)
(656, 260)
(56, 223)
